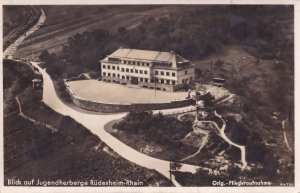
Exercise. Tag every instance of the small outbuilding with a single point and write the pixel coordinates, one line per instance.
(37, 83)
(219, 81)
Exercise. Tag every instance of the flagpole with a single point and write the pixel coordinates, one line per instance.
(155, 85)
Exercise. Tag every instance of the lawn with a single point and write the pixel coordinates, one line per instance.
(114, 93)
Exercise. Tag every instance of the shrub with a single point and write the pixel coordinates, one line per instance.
(164, 130)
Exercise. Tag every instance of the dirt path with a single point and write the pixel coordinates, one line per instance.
(205, 139)
(284, 135)
(203, 142)
(223, 135)
(226, 99)
(95, 123)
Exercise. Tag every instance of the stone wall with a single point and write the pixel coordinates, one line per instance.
(113, 108)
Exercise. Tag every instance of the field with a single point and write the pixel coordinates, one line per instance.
(65, 21)
(118, 94)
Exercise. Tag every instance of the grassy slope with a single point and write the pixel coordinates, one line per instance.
(32, 151)
(105, 17)
(160, 149)
(264, 88)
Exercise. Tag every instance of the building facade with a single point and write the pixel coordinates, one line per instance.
(165, 71)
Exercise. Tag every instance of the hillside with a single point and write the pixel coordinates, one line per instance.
(66, 21)
(11, 20)
(70, 151)
(265, 88)
(15, 25)
(238, 42)
(252, 47)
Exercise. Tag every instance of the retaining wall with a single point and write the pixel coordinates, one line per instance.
(150, 85)
(113, 108)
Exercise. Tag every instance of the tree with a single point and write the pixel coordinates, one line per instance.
(208, 101)
(219, 63)
(45, 56)
(175, 166)
(198, 72)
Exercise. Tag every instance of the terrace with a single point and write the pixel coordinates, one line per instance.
(103, 92)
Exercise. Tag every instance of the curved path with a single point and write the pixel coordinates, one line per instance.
(10, 51)
(96, 123)
(226, 99)
(198, 151)
(284, 136)
(203, 142)
(223, 135)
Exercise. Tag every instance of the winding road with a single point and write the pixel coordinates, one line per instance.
(223, 135)
(95, 123)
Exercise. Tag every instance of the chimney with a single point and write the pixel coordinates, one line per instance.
(173, 59)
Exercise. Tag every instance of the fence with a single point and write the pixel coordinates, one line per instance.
(35, 122)
(187, 110)
(81, 76)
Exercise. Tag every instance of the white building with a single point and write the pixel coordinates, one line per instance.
(165, 71)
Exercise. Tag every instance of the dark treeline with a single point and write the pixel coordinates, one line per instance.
(11, 20)
(194, 32)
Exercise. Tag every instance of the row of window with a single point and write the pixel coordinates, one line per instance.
(162, 81)
(164, 73)
(129, 62)
(124, 77)
(110, 67)
(111, 74)
(136, 63)
(168, 73)
(126, 69)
